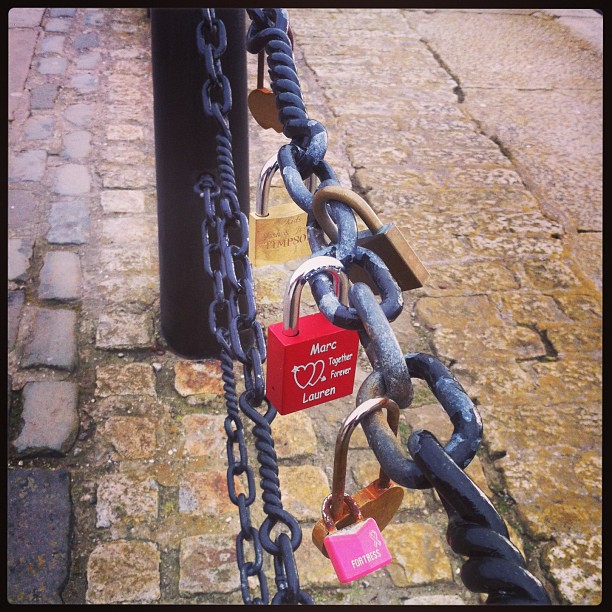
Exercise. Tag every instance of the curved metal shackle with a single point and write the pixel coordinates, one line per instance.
(293, 293)
(262, 195)
(342, 444)
(348, 197)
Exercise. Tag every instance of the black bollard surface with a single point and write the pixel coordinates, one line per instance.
(184, 149)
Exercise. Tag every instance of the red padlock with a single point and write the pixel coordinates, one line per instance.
(310, 360)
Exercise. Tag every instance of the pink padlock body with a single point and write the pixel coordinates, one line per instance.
(316, 366)
(357, 550)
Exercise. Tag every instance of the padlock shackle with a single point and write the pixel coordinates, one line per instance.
(262, 195)
(328, 519)
(348, 197)
(293, 293)
(342, 444)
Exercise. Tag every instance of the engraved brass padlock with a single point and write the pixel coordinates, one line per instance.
(277, 235)
(385, 240)
(380, 499)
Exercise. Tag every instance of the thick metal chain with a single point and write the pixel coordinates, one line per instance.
(495, 567)
(232, 319)
(475, 528)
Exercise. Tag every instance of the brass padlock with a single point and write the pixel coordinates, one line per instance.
(385, 240)
(381, 498)
(277, 235)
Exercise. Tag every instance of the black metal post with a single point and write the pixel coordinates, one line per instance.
(184, 149)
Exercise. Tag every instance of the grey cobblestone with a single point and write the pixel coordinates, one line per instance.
(88, 40)
(89, 61)
(50, 418)
(62, 12)
(43, 96)
(53, 341)
(52, 65)
(28, 166)
(85, 83)
(21, 212)
(77, 145)
(94, 17)
(69, 222)
(52, 44)
(15, 303)
(72, 179)
(39, 128)
(19, 254)
(60, 277)
(57, 24)
(80, 114)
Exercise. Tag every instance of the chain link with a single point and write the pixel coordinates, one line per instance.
(232, 319)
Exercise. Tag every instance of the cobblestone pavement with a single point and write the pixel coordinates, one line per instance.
(477, 132)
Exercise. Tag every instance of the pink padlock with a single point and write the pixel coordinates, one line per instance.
(357, 550)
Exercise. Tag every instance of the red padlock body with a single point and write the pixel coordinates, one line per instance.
(316, 366)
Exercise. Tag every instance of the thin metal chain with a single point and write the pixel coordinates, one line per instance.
(232, 319)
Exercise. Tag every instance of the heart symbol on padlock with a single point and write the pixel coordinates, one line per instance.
(308, 375)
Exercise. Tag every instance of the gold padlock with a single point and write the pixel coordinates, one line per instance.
(277, 235)
(385, 240)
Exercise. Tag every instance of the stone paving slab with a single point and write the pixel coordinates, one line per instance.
(25, 17)
(21, 212)
(19, 254)
(21, 48)
(123, 572)
(43, 96)
(60, 277)
(69, 222)
(53, 341)
(50, 418)
(38, 535)
(15, 303)
(28, 166)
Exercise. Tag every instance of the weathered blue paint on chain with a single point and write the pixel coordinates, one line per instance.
(495, 566)
(467, 424)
